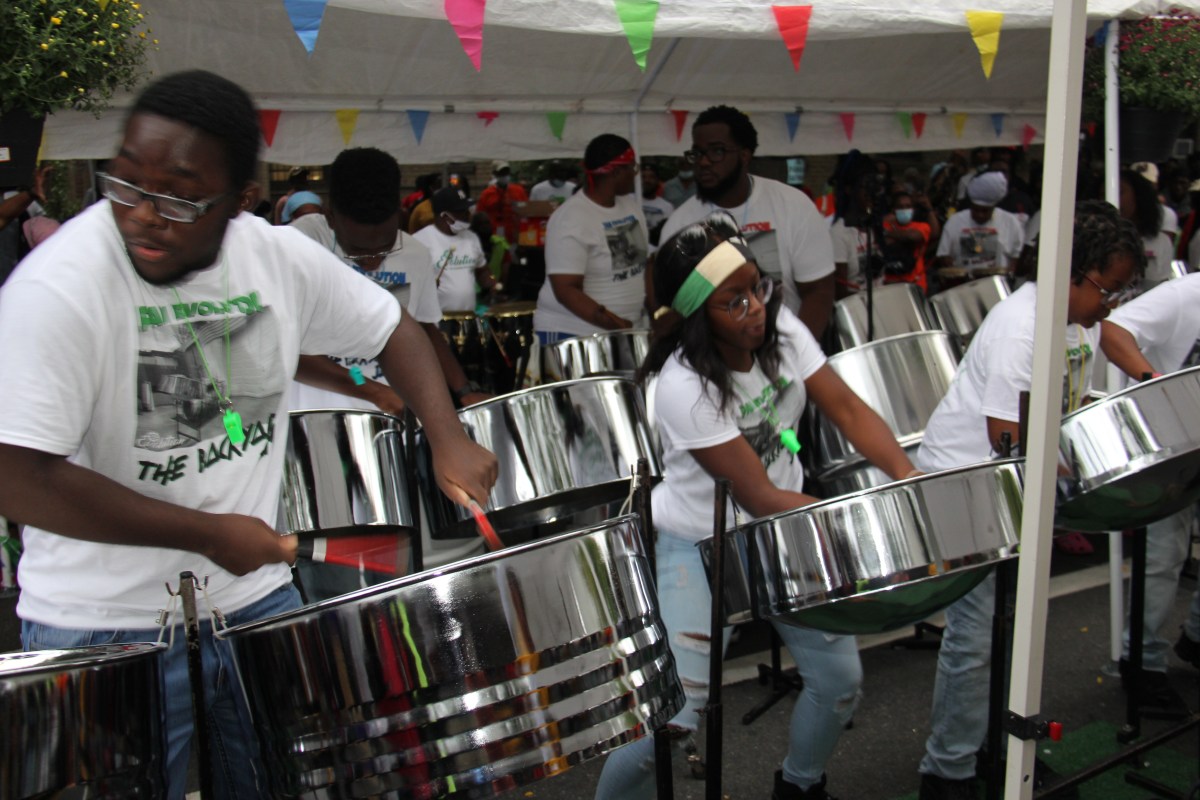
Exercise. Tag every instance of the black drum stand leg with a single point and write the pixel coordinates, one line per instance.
(416, 541)
(713, 712)
(191, 624)
(1132, 728)
(1002, 621)
(925, 636)
(781, 681)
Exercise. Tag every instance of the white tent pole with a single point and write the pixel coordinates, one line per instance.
(647, 84)
(1054, 254)
(1112, 193)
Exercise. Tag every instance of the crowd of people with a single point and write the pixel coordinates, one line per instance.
(736, 274)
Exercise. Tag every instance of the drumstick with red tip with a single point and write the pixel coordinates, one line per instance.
(485, 528)
(378, 553)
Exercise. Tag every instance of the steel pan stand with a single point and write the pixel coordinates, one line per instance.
(191, 623)
(713, 711)
(782, 681)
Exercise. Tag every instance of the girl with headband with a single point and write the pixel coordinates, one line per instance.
(735, 370)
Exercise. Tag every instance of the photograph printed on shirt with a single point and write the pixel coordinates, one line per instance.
(628, 246)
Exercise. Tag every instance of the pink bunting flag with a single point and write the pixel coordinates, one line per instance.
(466, 17)
(793, 27)
(680, 122)
(488, 117)
(268, 120)
(848, 125)
(1027, 135)
(918, 121)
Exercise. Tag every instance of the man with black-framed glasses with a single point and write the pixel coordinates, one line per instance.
(788, 234)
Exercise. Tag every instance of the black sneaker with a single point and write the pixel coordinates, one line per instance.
(1188, 650)
(790, 791)
(1158, 700)
(935, 787)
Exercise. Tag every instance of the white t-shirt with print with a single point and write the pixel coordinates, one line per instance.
(997, 367)
(656, 211)
(849, 248)
(1164, 322)
(996, 243)
(544, 191)
(1159, 253)
(406, 274)
(690, 418)
(789, 237)
(455, 259)
(103, 368)
(608, 247)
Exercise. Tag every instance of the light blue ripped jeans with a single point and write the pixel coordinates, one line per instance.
(828, 663)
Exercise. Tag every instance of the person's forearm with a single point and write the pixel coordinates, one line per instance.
(452, 371)
(411, 365)
(816, 304)
(14, 206)
(870, 435)
(575, 300)
(324, 373)
(1122, 349)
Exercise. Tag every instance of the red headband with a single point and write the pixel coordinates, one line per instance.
(628, 157)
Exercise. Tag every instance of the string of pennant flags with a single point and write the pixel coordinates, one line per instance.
(637, 18)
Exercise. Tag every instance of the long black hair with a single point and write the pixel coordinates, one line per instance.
(676, 259)
(1147, 215)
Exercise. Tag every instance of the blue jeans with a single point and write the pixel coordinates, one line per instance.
(960, 692)
(238, 772)
(829, 665)
(1167, 545)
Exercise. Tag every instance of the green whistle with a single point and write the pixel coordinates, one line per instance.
(790, 440)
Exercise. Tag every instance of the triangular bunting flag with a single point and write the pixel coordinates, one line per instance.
(793, 124)
(103, 7)
(960, 122)
(918, 121)
(347, 120)
(466, 17)
(268, 120)
(557, 120)
(985, 30)
(905, 120)
(848, 125)
(793, 27)
(1091, 129)
(998, 123)
(1027, 135)
(488, 117)
(680, 122)
(417, 119)
(306, 19)
(637, 18)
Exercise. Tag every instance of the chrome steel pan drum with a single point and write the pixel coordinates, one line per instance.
(878, 559)
(83, 722)
(861, 474)
(609, 353)
(961, 309)
(902, 378)
(898, 308)
(1133, 457)
(562, 447)
(344, 470)
(465, 681)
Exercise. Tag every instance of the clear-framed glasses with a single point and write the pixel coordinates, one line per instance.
(739, 307)
(168, 207)
(693, 240)
(1112, 298)
(715, 154)
(380, 256)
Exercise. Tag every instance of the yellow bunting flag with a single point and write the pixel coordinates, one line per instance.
(960, 122)
(985, 30)
(347, 120)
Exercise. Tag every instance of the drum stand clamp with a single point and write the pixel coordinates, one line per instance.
(1033, 728)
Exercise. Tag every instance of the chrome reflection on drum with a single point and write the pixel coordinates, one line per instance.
(562, 448)
(83, 722)
(896, 308)
(1132, 458)
(468, 680)
(344, 470)
(609, 353)
(878, 559)
(962, 308)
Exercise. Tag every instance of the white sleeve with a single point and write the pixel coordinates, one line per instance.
(566, 251)
(810, 242)
(943, 248)
(1007, 368)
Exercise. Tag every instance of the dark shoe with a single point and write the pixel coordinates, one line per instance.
(1158, 699)
(1188, 650)
(790, 791)
(934, 787)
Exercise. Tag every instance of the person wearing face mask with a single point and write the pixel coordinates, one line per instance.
(904, 244)
(682, 187)
(557, 188)
(496, 201)
(458, 260)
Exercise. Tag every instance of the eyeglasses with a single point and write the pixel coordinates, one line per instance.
(739, 307)
(357, 260)
(166, 206)
(693, 240)
(1113, 298)
(715, 154)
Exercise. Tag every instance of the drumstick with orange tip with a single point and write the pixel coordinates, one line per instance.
(485, 528)
(378, 553)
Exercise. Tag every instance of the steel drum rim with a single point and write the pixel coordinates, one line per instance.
(504, 398)
(889, 340)
(1113, 397)
(64, 659)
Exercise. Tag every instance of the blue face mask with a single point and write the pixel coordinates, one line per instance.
(904, 215)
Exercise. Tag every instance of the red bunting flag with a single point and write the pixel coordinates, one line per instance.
(918, 120)
(848, 125)
(1027, 135)
(488, 117)
(793, 27)
(1091, 129)
(680, 122)
(268, 120)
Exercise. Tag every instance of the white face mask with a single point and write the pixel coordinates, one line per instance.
(457, 226)
(685, 174)
(904, 215)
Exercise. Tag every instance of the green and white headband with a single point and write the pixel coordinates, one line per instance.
(721, 262)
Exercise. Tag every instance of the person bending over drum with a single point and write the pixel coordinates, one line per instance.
(735, 370)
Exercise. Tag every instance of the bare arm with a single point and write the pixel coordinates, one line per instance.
(14, 206)
(996, 428)
(452, 371)
(462, 468)
(51, 493)
(568, 290)
(1122, 349)
(816, 303)
(736, 461)
(865, 429)
(324, 373)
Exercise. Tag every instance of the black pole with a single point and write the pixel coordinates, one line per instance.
(195, 659)
(713, 713)
(870, 280)
(416, 541)
(1137, 626)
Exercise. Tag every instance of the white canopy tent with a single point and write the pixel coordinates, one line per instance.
(386, 58)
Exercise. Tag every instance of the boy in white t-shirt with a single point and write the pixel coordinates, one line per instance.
(458, 260)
